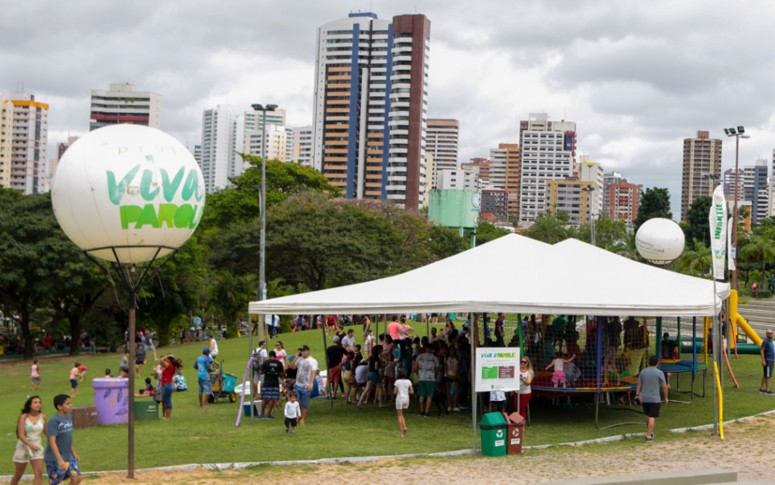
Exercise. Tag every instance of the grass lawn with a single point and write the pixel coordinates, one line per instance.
(209, 435)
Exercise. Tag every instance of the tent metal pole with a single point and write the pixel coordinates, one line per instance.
(659, 341)
(250, 352)
(331, 388)
(473, 378)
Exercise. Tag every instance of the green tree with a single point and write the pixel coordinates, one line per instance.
(655, 202)
(41, 267)
(445, 242)
(239, 203)
(550, 228)
(486, 232)
(697, 225)
(609, 234)
(176, 288)
(759, 248)
(695, 261)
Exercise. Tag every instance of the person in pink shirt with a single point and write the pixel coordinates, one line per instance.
(394, 328)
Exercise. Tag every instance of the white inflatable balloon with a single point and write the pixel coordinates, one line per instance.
(131, 188)
(659, 240)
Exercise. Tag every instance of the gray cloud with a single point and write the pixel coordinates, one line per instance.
(637, 77)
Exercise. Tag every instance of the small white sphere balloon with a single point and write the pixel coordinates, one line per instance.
(659, 240)
(131, 188)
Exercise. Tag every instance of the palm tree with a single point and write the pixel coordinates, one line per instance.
(760, 249)
(549, 229)
(696, 261)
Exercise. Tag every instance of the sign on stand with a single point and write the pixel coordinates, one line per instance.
(497, 369)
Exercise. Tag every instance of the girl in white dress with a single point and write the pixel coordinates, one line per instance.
(32, 424)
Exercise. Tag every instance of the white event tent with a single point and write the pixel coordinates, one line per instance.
(516, 274)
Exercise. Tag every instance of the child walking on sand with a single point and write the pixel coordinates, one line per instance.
(558, 363)
(292, 412)
(75, 373)
(402, 389)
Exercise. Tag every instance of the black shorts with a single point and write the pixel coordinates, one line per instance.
(651, 409)
(497, 406)
(768, 369)
(290, 422)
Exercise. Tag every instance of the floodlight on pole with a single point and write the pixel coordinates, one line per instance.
(737, 133)
(262, 207)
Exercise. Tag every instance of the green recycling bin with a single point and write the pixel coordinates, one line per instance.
(494, 430)
(146, 410)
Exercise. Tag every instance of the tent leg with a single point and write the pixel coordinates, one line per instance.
(473, 381)
(250, 352)
(330, 385)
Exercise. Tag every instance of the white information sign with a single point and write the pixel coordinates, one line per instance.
(497, 369)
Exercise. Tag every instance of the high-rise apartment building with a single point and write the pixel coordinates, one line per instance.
(29, 160)
(276, 143)
(443, 138)
(482, 166)
(505, 160)
(571, 196)
(756, 190)
(701, 160)
(301, 145)
(371, 88)
(548, 151)
(623, 200)
(588, 171)
(222, 139)
(610, 178)
(122, 104)
(6, 140)
(772, 187)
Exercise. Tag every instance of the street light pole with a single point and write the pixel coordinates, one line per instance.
(737, 133)
(262, 208)
(590, 215)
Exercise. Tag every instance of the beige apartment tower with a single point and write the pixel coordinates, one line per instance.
(701, 166)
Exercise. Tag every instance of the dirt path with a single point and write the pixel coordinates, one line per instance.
(747, 448)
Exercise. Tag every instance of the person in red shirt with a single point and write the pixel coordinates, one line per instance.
(169, 365)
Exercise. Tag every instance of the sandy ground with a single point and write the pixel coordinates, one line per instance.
(748, 448)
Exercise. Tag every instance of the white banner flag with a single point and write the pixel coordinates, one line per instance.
(718, 232)
(732, 250)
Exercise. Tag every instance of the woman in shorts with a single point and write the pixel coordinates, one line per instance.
(29, 449)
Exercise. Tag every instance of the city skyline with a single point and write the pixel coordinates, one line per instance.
(637, 79)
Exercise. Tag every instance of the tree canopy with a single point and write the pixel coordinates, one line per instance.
(655, 202)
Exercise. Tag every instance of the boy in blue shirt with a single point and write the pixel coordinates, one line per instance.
(60, 456)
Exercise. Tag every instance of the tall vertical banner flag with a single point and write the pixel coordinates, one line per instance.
(718, 232)
(732, 251)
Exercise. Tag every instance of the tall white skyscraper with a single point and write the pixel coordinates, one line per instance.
(222, 139)
(548, 150)
(122, 104)
(369, 125)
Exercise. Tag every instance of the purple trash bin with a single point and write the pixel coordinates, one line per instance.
(111, 396)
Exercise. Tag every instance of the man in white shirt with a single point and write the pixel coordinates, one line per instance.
(348, 342)
(306, 371)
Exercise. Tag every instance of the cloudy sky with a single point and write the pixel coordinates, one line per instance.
(637, 77)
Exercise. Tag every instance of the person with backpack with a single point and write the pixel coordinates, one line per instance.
(259, 356)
